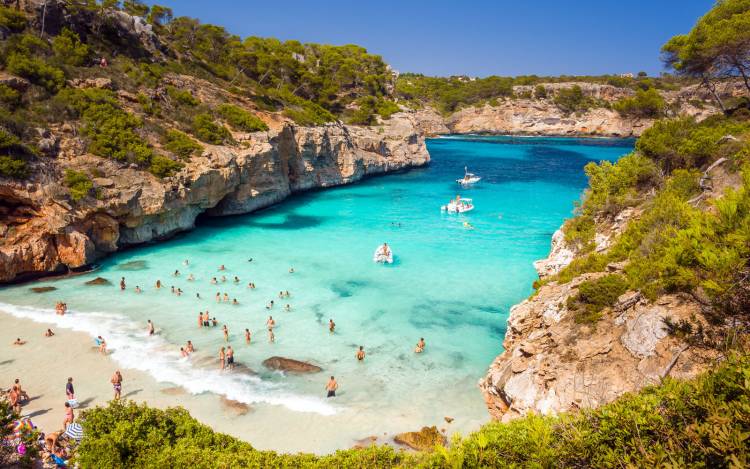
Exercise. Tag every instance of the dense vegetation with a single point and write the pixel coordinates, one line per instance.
(698, 423)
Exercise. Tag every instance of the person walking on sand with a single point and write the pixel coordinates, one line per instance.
(247, 336)
(21, 393)
(361, 353)
(222, 358)
(150, 327)
(230, 357)
(226, 333)
(14, 399)
(102, 344)
(331, 387)
(69, 416)
(69, 391)
(117, 384)
(331, 326)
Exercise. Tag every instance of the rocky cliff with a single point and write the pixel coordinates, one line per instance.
(44, 232)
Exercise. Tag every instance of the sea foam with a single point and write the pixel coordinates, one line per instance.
(130, 346)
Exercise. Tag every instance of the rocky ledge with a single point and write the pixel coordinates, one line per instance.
(43, 232)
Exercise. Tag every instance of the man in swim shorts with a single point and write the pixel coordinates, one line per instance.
(331, 387)
(117, 384)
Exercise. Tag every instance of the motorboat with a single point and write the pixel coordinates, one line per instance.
(383, 254)
(469, 178)
(458, 205)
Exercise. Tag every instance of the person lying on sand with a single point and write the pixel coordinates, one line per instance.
(18, 341)
(49, 333)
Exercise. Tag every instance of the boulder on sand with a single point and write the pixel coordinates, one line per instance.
(424, 440)
(99, 281)
(291, 365)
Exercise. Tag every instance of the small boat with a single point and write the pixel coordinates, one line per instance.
(469, 178)
(458, 205)
(383, 254)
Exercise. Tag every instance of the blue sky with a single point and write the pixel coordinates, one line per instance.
(480, 38)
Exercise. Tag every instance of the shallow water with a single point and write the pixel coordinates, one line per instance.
(449, 284)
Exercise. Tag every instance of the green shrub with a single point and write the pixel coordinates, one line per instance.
(9, 96)
(540, 92)
(580, 231)
(78, 183)
(13, 167)
(182, 97)
(36, 71)
(240, 119)
(162, 167)
(648, 103)
(181, 144)
(69, 49)
(12, 19)
(209, 131)
(148, 105)
(570, 100)
(595, 295)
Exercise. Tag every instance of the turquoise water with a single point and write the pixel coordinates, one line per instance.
(449, 284)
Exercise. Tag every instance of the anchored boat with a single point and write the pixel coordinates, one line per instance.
(469, 178)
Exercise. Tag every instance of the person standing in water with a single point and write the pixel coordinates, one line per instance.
(189, 347)
(226, 333)
(150, 327)
(420, 346)
(247, 336)
(361, 353)
(222, 358)
(69, 391)
(331, 326)
(117, 384)
(122, 283)
(271, 336)
(230, 357)
(331, 387)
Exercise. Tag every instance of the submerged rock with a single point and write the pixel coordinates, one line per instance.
(289, 364)
(424, 440)
(99, 281)
(43, 289)
(132, 265)
(236, 407)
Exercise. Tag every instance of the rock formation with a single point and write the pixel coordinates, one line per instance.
(43, 232)
(289, 364)
(424, 440)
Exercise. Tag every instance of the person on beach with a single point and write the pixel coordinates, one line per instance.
(222, 358)
(271, 336)
(49, 333)
(420, 346)
(137, 289)
(14, 400)
(270, 323)
(189, 347)
(69, 391)
(226, 333)
(158, 284)
(183, 353)
(230, 357)
(117, 384)
(361, 353)
(122, 283)
(247, 336)
(150, 327)
(331, 326)
(21, 393)
(69, 416)
(331, 387)
(18, 341)
(101, 344)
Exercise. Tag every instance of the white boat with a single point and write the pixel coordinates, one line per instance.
(458, 205)
(383, 254)
(469, 178)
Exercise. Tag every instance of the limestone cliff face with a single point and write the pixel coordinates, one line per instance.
(43, 232)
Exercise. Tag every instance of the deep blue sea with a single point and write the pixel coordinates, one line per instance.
(451, 284)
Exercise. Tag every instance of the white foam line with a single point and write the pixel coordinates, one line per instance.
(130, 347)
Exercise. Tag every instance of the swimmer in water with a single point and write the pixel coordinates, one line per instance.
(288, 307)
(191, 278)
(236, 279)
(189, 347)
(137, 289)
(176, 273)
(150, 327)
(331, 326)
(183, 353)
(468, 225)
(287, 294)
(179, 291)
(235, 302)
(223, 278)
(271, 336)
(247, 336)
(226, 297)
(221, 267)
(281, 294)
(218, 297)
(291, 270)
(185, 262)
(158, 284)
(270, 323)
(420, 346)
(213, 281)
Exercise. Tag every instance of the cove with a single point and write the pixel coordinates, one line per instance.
(451, 285)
